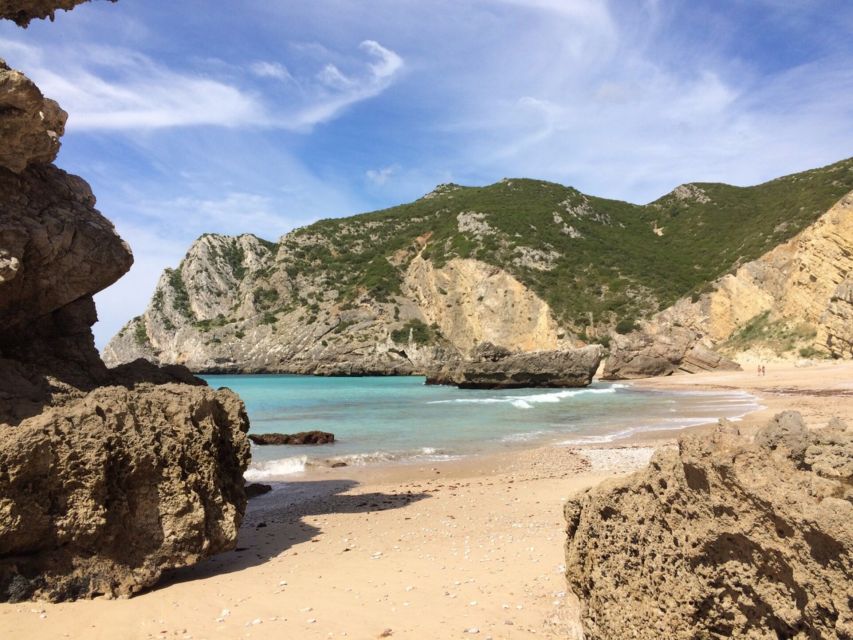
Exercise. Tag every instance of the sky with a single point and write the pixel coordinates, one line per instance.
(259, 116)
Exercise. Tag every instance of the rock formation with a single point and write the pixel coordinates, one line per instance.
(22, 12)
(497, 368)
(661, 350)
(721, 538)
(303, 437)
(107, 477)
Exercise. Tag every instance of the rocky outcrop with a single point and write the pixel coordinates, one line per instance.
(102, 494)
(30, 124)
(497, 368)
(661, 351)
(721, 538)
(303, 437)
(107, 477)
(22, 12)
(472, 302)
(237, 304)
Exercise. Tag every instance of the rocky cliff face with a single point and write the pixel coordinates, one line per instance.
(793, 300)
(239, 304)
(107, 477)
(722, 538)
(524, 264)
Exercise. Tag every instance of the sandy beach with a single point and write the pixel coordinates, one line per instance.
(450, 550)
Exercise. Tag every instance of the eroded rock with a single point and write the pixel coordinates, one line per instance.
(30, 124)
(497, 368)
(304, 437)
(22, 12)
(722, 538)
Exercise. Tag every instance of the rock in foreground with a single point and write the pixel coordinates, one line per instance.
(304, 437)
(723, 538)
(101, 495)
(496, 368)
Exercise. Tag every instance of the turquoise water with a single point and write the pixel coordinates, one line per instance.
(385, 419)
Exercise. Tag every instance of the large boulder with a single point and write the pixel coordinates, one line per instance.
(723, 538)
(101, 495)
(496, 368)
(661, 351)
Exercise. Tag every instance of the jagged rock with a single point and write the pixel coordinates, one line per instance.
(55, 247)
(30, 124)
(722, 538)
(107, 477)
(500, 369)
(100, 496)
(22, 12)
(661, 351)
(304, 437)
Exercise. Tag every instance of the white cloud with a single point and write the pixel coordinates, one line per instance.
(119, 89)
(381, 176)
(265, 69)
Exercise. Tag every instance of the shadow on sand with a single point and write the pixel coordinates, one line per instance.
(274, 523)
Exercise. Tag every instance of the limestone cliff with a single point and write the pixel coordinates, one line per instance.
(107, 477)
(523, 264)
(237, 304)
(723, 538)
(793, 300)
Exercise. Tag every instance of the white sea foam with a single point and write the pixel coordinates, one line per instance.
(527, 401)
(274, 468)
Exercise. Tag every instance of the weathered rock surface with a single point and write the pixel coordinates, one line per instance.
(661, 351)
(234, 304)
(304, 437)
(107, 477)
(802, 288)
(722, 538)
(22, 12)
(30, 124)
(497, 368)
(101, 495)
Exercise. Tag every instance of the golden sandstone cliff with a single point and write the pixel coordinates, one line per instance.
(107, 477)
(797, 298)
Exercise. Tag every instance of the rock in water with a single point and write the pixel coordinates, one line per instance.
(723, 538)
(304, 437)
(496, 368)
(107, 477)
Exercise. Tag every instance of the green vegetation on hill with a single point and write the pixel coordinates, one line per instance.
(586, 256)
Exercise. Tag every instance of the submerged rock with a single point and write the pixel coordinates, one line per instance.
(256, 489)
(722, 538)
(497, 368)
(304, 437)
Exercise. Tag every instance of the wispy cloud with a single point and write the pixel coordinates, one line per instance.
(112, 88)
(381, 176)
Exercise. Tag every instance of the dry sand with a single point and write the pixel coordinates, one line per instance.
(456, 550)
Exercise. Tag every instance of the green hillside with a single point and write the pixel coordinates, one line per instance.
(584, 255)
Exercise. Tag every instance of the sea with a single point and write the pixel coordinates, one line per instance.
(401, 420)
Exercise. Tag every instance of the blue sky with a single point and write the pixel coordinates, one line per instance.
(261, 115)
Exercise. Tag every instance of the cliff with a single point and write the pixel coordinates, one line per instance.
(794, 301)
(723, 538)
(523, 264)
(107, 477)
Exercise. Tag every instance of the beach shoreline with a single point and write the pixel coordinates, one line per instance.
(470, 547)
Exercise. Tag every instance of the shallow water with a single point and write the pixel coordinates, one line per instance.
(400, 419)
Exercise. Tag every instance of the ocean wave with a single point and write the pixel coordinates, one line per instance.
(527, 401)
(274, 468)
